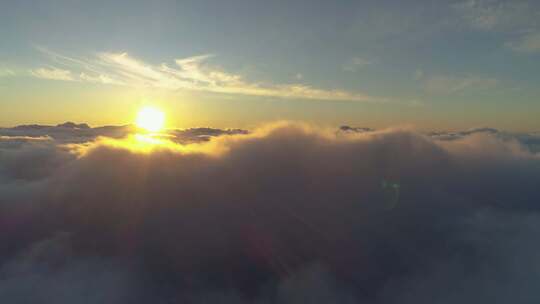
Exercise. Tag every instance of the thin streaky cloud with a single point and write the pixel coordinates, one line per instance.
(68, 61)
(356, 63)
(444, 84)
(529, 43)
(191, 73)
(104, 79)
(505, 16)
(5, 72)
(53, 73)
(518, 19)
(25, 138)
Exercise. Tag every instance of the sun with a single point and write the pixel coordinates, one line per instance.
(150, 119)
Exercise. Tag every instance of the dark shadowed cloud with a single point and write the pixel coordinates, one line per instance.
(284, 214)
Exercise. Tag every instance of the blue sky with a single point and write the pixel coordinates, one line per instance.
(443, 65)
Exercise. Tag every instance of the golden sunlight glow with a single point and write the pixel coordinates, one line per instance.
(150, 143)
(150, 119)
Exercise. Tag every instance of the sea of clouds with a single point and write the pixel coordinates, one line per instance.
(283, 214)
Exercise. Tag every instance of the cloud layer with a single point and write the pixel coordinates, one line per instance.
(284, 214)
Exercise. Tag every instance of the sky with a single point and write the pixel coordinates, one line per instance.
(376, 152)
(442, 65)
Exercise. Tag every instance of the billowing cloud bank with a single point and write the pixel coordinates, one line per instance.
(287, 214)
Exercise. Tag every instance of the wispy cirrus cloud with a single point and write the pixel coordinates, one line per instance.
(446, 84)
(519, 19)
(5, 72)
(528, 43)
(100, 78)
(356, 63)
(191, 73)
(53, 73)
(496, 15)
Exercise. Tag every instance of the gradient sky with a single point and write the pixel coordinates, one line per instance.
(428, 64)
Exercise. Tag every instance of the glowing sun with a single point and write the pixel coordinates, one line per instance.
(150, 119)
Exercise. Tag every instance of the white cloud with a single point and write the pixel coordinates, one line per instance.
(5, 72)
(192, 73)
(53, 74)
(442, 84)
(493, 15)
(355, 63)
(529, 43)
(418, 74)
(519, 19)
(479, 14)
(99, 79)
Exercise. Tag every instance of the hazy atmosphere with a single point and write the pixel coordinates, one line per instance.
(377, 152)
